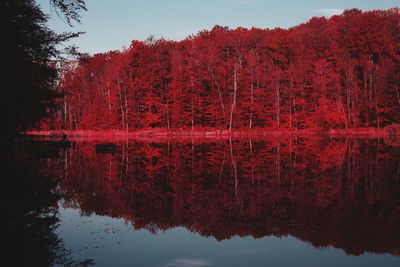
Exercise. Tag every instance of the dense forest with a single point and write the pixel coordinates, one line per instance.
(336, 73)
(329, 192)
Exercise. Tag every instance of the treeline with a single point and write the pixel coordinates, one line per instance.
(335, 73)
(329, 192)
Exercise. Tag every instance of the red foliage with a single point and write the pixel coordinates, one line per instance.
(336, 73)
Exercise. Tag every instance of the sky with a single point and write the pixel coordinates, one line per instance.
(113, 24)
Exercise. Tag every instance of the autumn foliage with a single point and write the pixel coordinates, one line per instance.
(336, 73)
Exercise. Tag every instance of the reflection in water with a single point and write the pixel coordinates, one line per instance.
(30, 212)
(343, 193)
(30, 206)
(187, 263)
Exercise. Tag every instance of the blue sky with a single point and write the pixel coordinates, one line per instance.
(113, 24)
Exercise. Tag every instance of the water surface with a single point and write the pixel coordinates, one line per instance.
(277, 202)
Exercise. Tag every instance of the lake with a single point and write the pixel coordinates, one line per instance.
(283, 201)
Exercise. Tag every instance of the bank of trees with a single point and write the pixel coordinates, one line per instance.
(338, 73)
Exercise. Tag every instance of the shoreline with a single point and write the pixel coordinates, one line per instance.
(390, 135)
(214, 133)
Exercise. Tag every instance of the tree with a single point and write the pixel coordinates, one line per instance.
(323, 74)
(28, 53)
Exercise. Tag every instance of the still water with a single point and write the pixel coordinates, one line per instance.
(273, 202)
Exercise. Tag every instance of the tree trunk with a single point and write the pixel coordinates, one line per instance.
(234, 168)
(235, 88)
(191, 102)
(126, 110)
(220, 96)
(251, 99)
(121, 105)
(278, 104)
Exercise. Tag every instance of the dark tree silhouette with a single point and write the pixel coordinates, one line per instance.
(69, 9)
(28, 50)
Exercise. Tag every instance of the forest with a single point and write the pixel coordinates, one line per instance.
(341, 72)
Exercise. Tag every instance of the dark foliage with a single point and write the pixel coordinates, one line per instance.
(28, 52)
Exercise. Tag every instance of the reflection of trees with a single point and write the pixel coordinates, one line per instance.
(30, 208)
(342, 193)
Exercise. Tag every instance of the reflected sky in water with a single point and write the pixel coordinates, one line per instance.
(113, 242)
